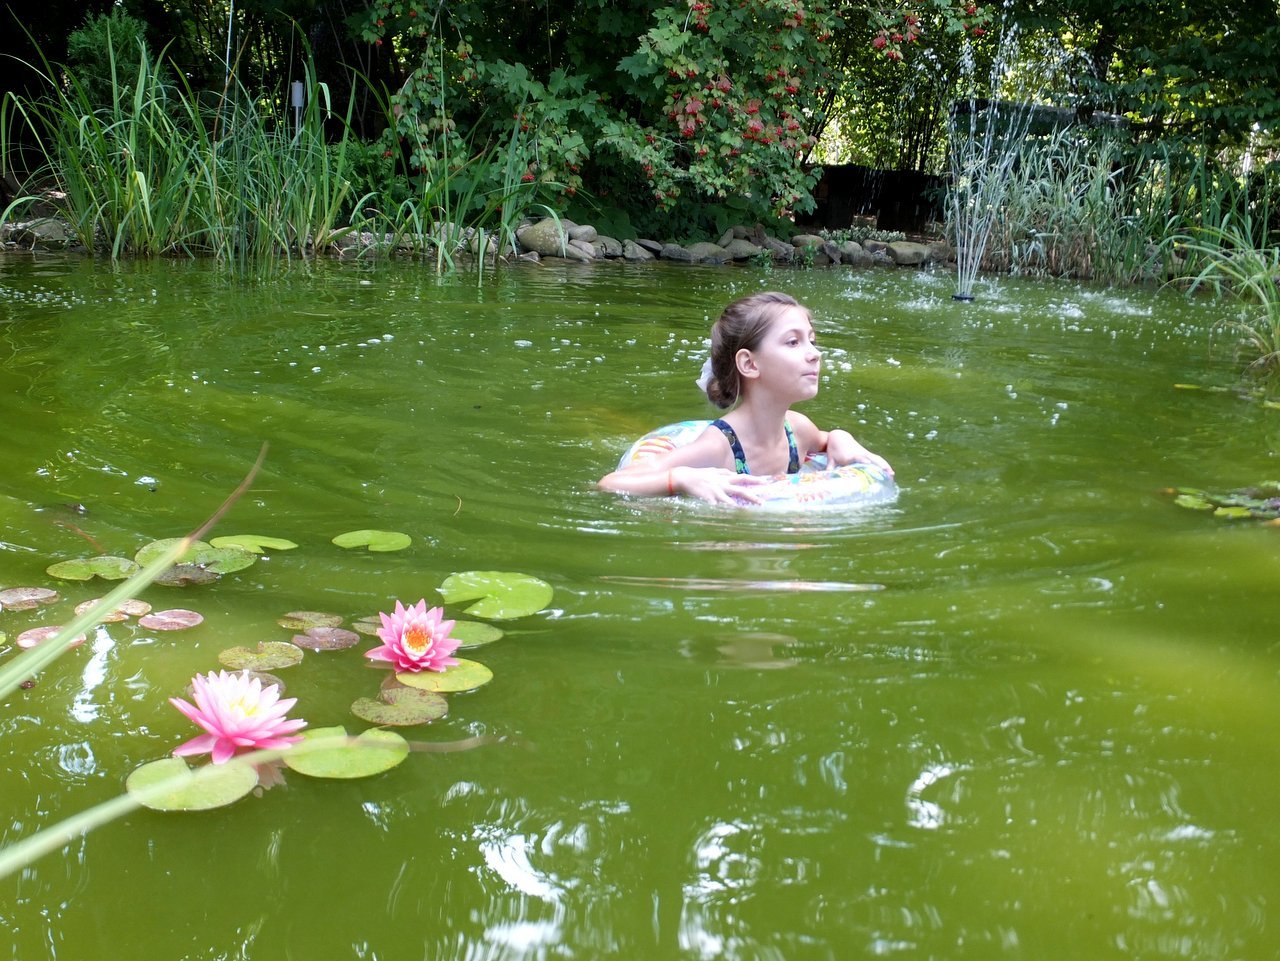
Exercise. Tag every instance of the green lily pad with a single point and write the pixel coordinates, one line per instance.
(220, 560)
(171, 785)
(499, 595)
(254, 543)
(1229, 511)
(463, 676)
(402, 707)
(475, 634)
(270, 656)
(1193, 502)
(327, 639)
(370, 753)
(368, 626)
(374, 540)
(86, 568)
(26, 598)
(303, 620)
(181, 575)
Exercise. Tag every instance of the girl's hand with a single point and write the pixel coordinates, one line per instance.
(866, 457)
(843, 449)
(716, 485)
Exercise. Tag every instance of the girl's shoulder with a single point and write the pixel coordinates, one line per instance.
(808, 435)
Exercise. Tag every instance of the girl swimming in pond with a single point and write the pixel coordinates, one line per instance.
(764, 358)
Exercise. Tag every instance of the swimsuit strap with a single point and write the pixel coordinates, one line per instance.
(740, 459)
(735, 445)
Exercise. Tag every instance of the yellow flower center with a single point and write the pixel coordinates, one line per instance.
(416, 640)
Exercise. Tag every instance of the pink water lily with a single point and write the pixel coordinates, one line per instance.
(416, 639)
(239, 714)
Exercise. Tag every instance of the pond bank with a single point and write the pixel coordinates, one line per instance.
(559, 239)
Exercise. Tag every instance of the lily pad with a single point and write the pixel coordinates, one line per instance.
(370, 753)
(171, 785)
(368, 626)
(463, 676)
(180, 575)
(38, 635)
(374, 540)
(475, 634)
(269, 656)
(26, 598)
(220, 560)
(254, 543)
(175, 619)
(303, 620)
(121, 612)
(499, 595)
(109, 568)
(402, 707)
(327, 639)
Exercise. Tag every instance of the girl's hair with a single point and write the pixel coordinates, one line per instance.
(741, 326)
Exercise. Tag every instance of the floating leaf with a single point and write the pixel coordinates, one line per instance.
(170, 785)
(180, 575)
(368, 626)
(121, 612)
(475, 634)
(1193, 501)
(175, 619)
(1234, 512)
(219, 560)
(38, 635)
(370, 753)
(402, 706)
(26, 598)
(374, 540)
(109, 568)
(303, 620)
(327, 639)
(254, 543)
(463, 676)
(150, 552)
(500, 595)
(269, 656)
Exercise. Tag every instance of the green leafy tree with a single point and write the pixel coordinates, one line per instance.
(1202, 72)
(696, 104)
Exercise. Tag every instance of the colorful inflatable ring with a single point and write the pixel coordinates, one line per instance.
(816, 484)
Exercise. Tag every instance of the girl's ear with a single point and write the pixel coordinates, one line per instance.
(746, 364)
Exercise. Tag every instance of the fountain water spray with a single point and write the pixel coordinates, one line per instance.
(982, 152)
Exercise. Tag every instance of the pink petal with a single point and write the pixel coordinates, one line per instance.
(197, 745)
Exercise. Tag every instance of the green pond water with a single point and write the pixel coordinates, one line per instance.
(1027, 711)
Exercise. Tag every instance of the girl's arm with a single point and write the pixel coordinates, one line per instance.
(843, 449)
(839, 445)
(694, 469)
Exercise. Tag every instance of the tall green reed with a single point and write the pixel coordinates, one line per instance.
(1228, 261)
(162, 171)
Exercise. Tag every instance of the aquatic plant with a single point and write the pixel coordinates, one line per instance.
(1260, 502)
(416, 639)
(1228, 260)
(238, 713)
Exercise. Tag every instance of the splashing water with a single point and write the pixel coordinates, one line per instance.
(985, 134)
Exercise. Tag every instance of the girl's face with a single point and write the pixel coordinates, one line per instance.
(787, 359)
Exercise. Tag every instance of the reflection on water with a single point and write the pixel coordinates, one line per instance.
(1025, 711)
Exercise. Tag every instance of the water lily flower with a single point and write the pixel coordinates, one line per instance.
(416, 639)
(238, 713)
